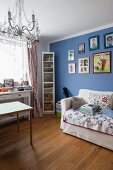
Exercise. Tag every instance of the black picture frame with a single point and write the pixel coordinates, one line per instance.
(108, 40)
(94, 43)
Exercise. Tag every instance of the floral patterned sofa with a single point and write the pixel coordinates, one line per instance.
(96, 128)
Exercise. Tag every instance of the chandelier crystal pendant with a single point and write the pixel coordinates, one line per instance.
(14, 28)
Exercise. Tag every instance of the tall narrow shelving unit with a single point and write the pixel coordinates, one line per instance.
(48, 83)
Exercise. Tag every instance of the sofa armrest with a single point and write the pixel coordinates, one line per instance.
(66, 104)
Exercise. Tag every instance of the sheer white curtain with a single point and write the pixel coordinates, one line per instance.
(13, 61)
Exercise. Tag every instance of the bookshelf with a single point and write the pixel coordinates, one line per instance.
(48, 83)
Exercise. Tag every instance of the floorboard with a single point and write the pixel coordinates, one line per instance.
(52, 149)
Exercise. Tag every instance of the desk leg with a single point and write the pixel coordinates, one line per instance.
(30, 127)
(17, 123)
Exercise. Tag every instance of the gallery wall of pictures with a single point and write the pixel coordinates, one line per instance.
(101, 61)
(85, 61)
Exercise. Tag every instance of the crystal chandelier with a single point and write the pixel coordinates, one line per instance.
(14, 27)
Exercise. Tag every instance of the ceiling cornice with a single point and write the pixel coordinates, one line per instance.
(83, 33)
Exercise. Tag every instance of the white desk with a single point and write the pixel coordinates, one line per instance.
(16, 95)
(24, 96)
(16, 108)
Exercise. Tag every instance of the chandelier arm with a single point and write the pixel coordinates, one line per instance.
(16, 29)
(29, 39)
(28, 31)
(15, 34)
(11, 24)
(25, 28)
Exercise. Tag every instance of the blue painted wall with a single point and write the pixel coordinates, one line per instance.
(74, 82)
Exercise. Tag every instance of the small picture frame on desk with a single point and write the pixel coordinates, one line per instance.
(8, 82)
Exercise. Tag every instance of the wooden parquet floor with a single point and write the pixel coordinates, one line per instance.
(52, 149)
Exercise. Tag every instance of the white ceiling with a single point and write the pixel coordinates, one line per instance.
(64, 18)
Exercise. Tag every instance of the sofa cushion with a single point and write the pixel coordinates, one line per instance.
(103, 99)
(84, 93)
(77, 102)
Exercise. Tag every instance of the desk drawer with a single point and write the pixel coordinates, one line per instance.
(5, 97)
(20, 95)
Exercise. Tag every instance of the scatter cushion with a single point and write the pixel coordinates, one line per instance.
(89, 109)
(103, 99)
(77, 102)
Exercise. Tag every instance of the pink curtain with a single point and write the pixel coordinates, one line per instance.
(33, 64)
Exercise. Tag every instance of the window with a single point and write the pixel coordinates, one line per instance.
(13, 61)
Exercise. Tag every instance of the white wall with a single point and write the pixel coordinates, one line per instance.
(42, 47)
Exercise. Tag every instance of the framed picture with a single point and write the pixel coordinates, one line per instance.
(71, 68)
(81, 48)
(83, 65)
(94, 43)
(102, 62)
(108, 40)
(70, 55)
(8, 82)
